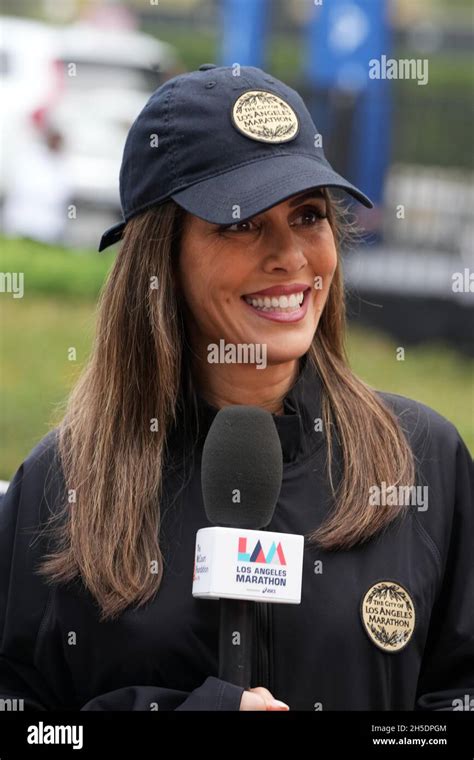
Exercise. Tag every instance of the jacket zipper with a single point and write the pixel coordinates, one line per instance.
(263, 648)
(263, 620)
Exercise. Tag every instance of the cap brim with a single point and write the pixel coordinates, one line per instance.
(112, 235)
(255, 187)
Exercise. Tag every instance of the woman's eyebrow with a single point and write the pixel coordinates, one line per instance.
(311, 194)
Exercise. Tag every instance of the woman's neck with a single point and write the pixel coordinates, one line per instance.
(229, 384)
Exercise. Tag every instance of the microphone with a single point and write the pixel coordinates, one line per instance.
(238, 562)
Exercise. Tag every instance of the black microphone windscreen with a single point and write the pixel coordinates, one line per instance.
(242, 468)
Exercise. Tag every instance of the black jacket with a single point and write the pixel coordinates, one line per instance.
(317, 655)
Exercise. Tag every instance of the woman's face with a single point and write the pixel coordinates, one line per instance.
(289, 247)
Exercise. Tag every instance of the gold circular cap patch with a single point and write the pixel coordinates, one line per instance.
(388, 615)
(265, 117)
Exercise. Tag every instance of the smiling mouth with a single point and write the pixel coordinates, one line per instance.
(277, 304)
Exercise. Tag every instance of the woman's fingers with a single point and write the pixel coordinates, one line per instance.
(260, 698)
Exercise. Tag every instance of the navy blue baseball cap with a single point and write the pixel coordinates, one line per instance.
(225, 143)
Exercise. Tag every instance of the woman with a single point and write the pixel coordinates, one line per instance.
(231, 234)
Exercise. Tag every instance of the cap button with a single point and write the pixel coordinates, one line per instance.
(207, 66)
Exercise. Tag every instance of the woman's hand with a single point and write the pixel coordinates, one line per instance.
(260, 698)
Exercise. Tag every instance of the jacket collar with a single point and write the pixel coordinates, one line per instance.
(296, 427)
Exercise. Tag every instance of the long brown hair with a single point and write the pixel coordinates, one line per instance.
(112, 440)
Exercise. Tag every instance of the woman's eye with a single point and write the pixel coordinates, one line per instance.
(311, 216)
(239, 227)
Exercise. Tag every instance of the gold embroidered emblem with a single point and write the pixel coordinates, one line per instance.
(388, 615)
(265, 117)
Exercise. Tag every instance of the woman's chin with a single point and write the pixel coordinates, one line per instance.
(283, 356)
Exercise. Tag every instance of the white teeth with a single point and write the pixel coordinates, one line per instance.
(287, 303)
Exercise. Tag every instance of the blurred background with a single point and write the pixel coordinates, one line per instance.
(77, 72)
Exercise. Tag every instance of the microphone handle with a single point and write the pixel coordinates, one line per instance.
(235, 641)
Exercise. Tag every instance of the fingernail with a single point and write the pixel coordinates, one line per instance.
(279, 705)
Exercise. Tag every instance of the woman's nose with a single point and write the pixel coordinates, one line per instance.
(284, 251)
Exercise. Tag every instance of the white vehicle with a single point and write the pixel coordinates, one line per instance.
(89, 83)
(31, 76)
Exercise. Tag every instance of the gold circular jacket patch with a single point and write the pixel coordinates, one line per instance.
(265, 117)
(388, 615)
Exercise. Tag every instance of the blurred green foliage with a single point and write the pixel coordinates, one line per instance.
(58, 312)
(62, 272)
